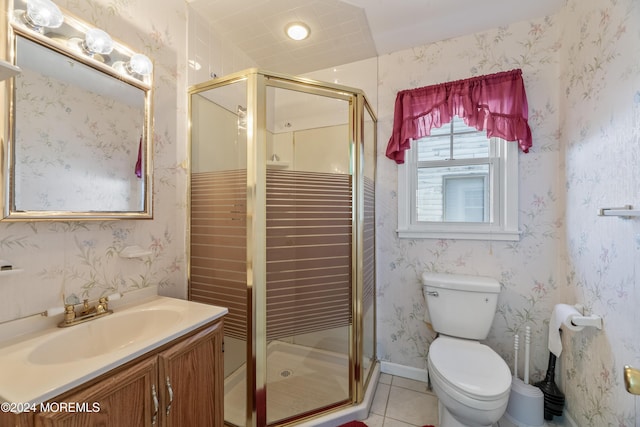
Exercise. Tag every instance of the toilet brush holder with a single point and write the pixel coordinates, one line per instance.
(526, 405)
(553, 397)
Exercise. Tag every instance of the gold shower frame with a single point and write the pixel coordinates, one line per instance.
(257, 81)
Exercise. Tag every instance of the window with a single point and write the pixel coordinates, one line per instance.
(465, 198)
(457, 183)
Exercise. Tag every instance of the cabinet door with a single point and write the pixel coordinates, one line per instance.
(191, 380)
(24, 419)
(125, 399)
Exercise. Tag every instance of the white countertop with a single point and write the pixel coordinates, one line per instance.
(24, 378)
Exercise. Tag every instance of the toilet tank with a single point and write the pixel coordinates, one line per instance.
(461, 306)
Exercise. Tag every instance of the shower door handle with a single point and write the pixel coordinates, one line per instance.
(632, 379)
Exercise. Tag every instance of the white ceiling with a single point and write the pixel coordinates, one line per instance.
(351, 30)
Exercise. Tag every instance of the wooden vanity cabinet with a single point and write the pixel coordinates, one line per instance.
(191, 380)
(123, 399)
(179, 385)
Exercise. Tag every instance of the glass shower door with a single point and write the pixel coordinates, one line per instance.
(218, 273)
(282, 233)
(309, 253)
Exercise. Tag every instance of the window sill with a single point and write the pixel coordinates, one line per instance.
(498, 235)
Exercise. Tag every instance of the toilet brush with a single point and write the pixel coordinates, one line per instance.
(553, 397)
(515, 355)
(526, 402)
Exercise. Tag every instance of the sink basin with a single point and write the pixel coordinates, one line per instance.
(103, 335)
(41, 364)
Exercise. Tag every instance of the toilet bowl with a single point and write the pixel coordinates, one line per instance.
(472, 382)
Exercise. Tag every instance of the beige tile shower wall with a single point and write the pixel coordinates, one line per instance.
(281, 144)
(209, 52)
(322, 149)
(216, 145)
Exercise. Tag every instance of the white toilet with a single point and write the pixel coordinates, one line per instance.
(471, 380)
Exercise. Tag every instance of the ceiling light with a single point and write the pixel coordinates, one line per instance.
(297, 31)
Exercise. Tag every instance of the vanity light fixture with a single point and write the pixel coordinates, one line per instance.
(297, 31)
(79, 37)
(138, 64)
(43, 13)
(97, 41)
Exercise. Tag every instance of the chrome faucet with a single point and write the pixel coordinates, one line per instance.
(86, 313)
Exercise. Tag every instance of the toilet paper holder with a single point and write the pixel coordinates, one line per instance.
(592, 320)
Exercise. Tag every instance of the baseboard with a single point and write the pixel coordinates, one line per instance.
(404, 371)
(568, 420)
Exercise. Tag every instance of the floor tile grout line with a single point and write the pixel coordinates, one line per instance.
(391, 385)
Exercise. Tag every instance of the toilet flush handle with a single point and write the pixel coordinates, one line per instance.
(432, 293)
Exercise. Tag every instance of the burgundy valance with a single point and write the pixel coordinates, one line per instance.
(495, 102)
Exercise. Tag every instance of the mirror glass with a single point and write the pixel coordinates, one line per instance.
(79, 137)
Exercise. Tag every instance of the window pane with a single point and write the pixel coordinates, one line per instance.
(459, 193)
(471, 145)
(445, 129)
(434, 148)
(468, 143)
(464, 199)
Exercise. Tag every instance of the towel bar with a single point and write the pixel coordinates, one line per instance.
(626, 211)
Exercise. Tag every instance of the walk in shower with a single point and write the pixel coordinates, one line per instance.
(282, 233)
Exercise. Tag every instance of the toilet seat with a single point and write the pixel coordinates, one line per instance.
(470, 370)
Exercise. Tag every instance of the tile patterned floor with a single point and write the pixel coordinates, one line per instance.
(401, 402)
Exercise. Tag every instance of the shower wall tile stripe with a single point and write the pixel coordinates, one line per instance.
(369, 261)
(308, 252)
(218, 244)
(308, 249)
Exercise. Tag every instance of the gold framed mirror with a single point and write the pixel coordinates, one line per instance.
(78, 140)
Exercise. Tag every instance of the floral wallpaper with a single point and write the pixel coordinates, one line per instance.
(528, 269)
(582, 74)
(91, 152)
(601, 145)
(81, 258)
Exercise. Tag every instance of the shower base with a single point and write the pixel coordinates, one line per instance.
(299, 379)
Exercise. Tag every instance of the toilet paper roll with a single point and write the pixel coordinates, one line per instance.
(561, 317)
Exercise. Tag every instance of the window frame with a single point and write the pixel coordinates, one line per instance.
(503, 221)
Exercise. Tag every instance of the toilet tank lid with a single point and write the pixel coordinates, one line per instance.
(461, 282)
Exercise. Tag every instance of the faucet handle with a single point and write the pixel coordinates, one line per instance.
(102, 305)
(69, 313)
